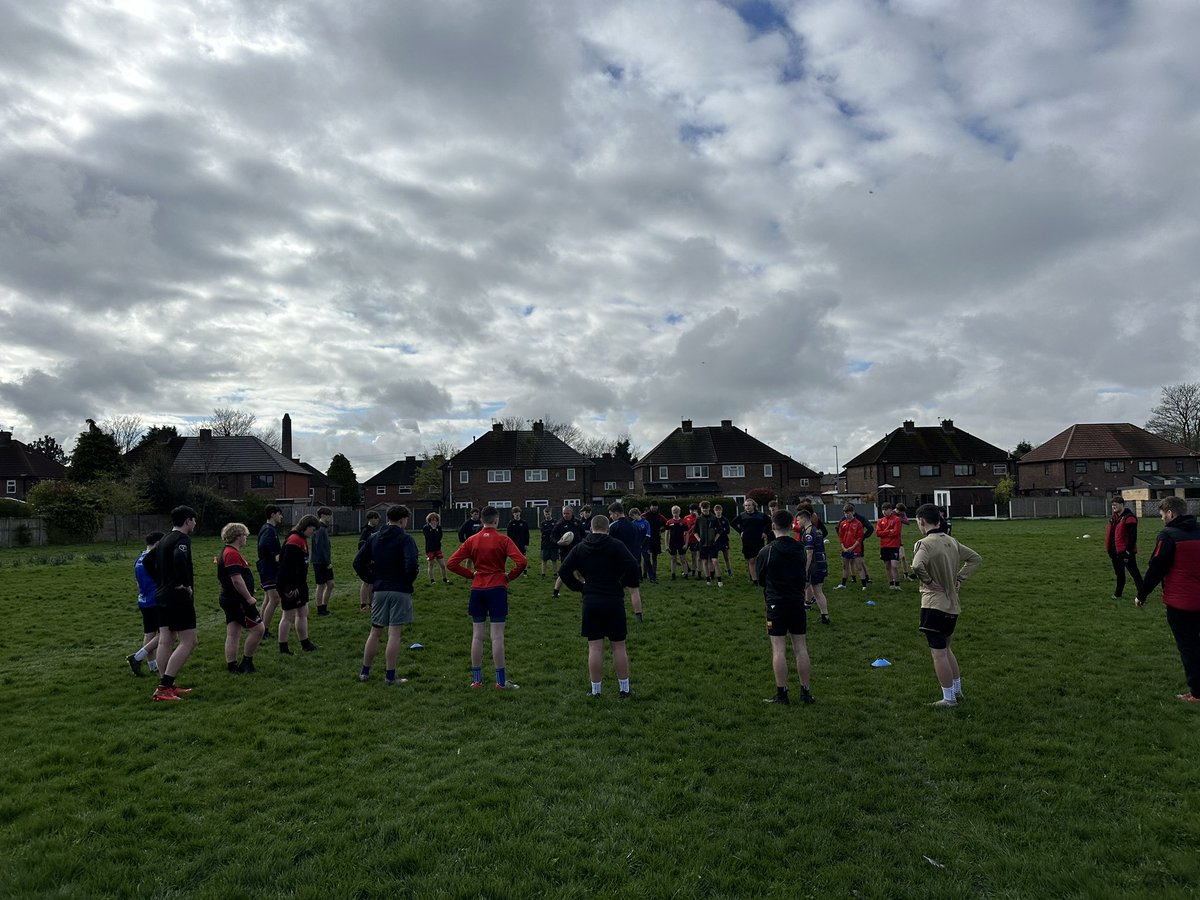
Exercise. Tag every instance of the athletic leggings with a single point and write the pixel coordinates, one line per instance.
(1121, 562)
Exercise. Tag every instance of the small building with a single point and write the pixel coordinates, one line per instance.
(504, 468)
(612, 479)
(720, 461)
(395, 484)
(21, 467)
(321, 490)
(909, 464)
(240, 464)
(1098, 459)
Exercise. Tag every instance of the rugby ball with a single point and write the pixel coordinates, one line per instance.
(565, 540)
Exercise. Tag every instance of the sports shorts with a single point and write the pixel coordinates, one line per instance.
(177, 613)
(239, 612)
(549, 553)
(301, 599)
(604, 619)
(888, 554)
(818, 574)
(750, 550)
(786, 617)
(268, 574)
(937, 626)
(433, 554)
(488, 603)
(149, 619)
(708, 552)
(390, 608)
(322, 573)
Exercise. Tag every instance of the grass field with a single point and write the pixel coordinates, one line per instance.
(1069, 770)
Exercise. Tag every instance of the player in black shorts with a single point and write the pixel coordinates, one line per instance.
(269, 549)
(782, 574)
(753, 526)
(172, 572)
(237, 600)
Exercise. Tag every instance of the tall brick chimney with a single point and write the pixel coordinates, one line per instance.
(286, 436)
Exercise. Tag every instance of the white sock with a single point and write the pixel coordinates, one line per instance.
(948, 694)
(595, 687)
(957, 685)
(623, 684)
(153, 665)
(141, 654)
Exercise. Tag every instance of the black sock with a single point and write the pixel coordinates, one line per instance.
(308, 644)
(284, 648)
(167, 681)
(232, 667)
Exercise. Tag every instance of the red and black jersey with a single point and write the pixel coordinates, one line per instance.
(1176, 563)
(1121, 536)
(230, 563)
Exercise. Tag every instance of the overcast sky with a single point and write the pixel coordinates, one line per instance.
(400, 220)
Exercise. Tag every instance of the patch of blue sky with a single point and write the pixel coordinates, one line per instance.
(858, 366)
(983, 130)
(695, 133)
(615, 72)
(761, 15)
(674, 318)
(405, 348)
(1110, 391)
(527, 311)
(491, 408)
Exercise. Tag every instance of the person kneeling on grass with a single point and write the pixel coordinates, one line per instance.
(237, 600)
(488, 550)
(941, 564)
(600, 567)
(782, 572)
(389, 562)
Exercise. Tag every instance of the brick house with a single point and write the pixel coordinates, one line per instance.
(395, 484)
(21, 468)
(612, 479)
(917, 461)
(321, 491)
(234, 466)
(720, 461)
(1100, 459)
(517, 468)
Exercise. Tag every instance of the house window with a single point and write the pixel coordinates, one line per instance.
(312, 492)
(696, 471)
(537, 502)
(961, 469)
(929, 471)
(1000, 468)
(803, 482)
(463, 504)
(895, 471)
(610, 485)
(262, 481)
(499, 476)
(464, 477)
(501, 504)
(1081, 467)
(733, 471)
(1114, 465)
(535, 475)
(1045, 468)
(572, 502)
(1147, 465)
(404, 489)
(768, 470)
(1179, 465)
(10, 486)
(381, 491)
(662, 473)
(570, 474)
(630, 486)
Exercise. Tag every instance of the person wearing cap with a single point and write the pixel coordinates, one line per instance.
(1120, 540)
(1175, 564)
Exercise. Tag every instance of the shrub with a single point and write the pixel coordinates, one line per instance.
(22, 535)
(762, 496)
(71, 511)
(13, 509)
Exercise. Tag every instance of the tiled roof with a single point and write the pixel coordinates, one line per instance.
(316, 478)
(500, 449)
(230, 455)
(18, 461)
(713, 444)
(402, 471)
(1108, 440)
(609, 468)
(929, 444)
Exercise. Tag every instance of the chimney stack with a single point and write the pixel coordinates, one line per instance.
(206, 434)
(727, 424)
(686, 426)
(285, 438)
(910, 426)
(497, 426)
(538, 427)
(947, 424)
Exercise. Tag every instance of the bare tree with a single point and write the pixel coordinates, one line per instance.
(229, 422)
(566, 432)
(270, 437)
(125, 430)
(1177, 415)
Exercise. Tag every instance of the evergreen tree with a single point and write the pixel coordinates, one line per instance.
(48, 446)
(96, 456)
(341, 473)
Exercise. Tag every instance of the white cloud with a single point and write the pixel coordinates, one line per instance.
(918, 209)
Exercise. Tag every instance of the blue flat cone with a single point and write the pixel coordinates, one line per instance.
(870, 603)
(880, 663)
(416, 647)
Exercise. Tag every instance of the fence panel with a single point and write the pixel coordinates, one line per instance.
(12, 530)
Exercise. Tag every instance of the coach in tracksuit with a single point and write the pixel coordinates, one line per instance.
(1121, 543)
(1176, 563)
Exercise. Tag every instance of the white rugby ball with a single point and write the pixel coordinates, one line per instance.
(566, 539)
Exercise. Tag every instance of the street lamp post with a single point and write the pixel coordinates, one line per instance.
(837, 471)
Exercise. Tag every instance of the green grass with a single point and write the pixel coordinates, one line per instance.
(1069, 770)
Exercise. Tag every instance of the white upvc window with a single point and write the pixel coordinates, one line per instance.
(536, 503)
(768, 470)
(630, 486)
(499, 476)
(803, 482)
(536, 475)
(696, 471)
(570, 474)
(501, 504)
(663, 472)
(572, 501)
(733, 471)
(1000, 468)
(464, 477)
(10, 486)
(610, 485)
(463, 504)
(404, 489)
(381, 491)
